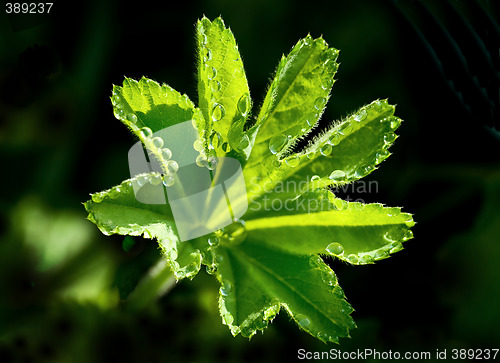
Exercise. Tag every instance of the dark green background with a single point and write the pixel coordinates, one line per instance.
(59, 142)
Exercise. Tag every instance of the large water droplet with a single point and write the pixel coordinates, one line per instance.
(326, 150)
(244, 142)
(146, 132)
(132, 118)
(213, 241)
(389, 138)
(328, 277)
(315, 177)
(303, 321)
(216, 140)
(155, 179)
(311, 155)
(244, 104)
(381, 155)
(338, 175)
(166, 154)
(201, 161)
(218, 112)
(204, 39)
(212, 163)
(319, 103)
(207, 54)
(141, 180)
(226, 147)
(236, 232)
(198, 145)
(115, 192)
(226, 288)
(352, 258)
(172, 167)
(395, 122)
(277, 143)
(97, 197)
(115, 100)
(157, 142)
(211, 72)
(316, 262)
(168, 180)
(292, 161)
(328, 84)
(360, 115)
(215, 86)
(335, 248)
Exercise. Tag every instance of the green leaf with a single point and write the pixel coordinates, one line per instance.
(256, 280)
(320, 223)
(223, 91)
(147, 107)
(117, 211)
(294, 103)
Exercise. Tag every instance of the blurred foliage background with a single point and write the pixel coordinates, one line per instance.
(68, 293)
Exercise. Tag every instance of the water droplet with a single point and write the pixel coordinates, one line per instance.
(141, 180)
(247, 332)
(335, 248)
(244, 104)
(292, 161)
(389, 138)
(226, 288)
(328, 277)
(115, 192)
(328, 84)
(312, 118)
(409, 222)
(166, 154)
(204, 39)
(198, 145)
(157, 142)
(211, 72)
(244, 142)
(115, 100)
(338, 175)
(316, 262)
(97, 197)
(311, 155)
(155, 179)
(395, 247)
(212, 163)
(352, 258)
(216, 140)
(195, 125)
(365, 259)
(226, 147)
(319, 103)
(201, 161)
(218, 112)
(211, 269)
(324, 337)
(213, 241)
(335, 139)
(395, 123)
(408, 235)
(277, 143)
(360, 115)
(191, 269)
(381, 156)
(132, 118)
(172, 167)
(339, 292)
(168, 180)
(345, 129)
(326, 149)
(380, 254)
(236, 232)
(207, 54)
(315, 177)
(303, 321)
(146, 132)
(215, 86)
